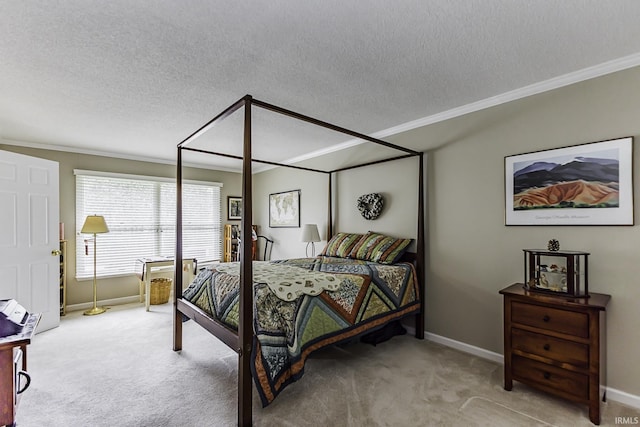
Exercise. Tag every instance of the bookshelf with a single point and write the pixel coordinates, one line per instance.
(230, 242)
(63, 277)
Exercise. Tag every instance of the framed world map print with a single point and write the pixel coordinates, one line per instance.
(284, 209)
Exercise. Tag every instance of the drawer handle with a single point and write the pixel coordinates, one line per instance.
(547, 347)
(546, 318)
(547, 375)
(23, 374)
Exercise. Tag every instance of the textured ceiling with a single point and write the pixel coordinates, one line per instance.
(133, 78)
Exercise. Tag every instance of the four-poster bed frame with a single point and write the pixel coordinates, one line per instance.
(241, 340)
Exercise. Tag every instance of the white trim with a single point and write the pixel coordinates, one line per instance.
(136, 158)
(327, 150)
(523, 92)
(80, 150)
(611, 393)
(623, 397)
(466, 348)
(143, 177)
(107, 302)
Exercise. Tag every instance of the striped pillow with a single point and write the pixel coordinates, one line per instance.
(340, 245)
(380, 248)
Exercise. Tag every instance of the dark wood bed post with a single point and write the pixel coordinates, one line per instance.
(420, 249)
(245, 324)
(177, 270)
(330, 212)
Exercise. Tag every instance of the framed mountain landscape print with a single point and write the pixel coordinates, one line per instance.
(588, 184)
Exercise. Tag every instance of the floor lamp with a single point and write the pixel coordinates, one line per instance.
(94, 224)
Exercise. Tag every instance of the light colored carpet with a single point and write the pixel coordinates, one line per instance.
(118, 368)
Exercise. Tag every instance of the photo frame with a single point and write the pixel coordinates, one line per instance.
(234, 208)
(284, 209)
(587, 184)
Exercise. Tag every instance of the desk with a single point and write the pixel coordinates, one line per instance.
(145, 265)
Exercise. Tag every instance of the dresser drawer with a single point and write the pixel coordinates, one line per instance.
(557, 349)
(552, 319)
(570, 383)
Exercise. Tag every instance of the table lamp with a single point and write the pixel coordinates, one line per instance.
(310, 235)
(94, 224)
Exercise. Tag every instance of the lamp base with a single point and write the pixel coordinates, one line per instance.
(313, 250)
(94, 311)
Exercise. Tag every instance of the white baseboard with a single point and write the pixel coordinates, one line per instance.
(612, 393)
(107, 302)
(623, 397)
(467, 348)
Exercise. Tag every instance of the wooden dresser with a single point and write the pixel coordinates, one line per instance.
(13, 365)
(556, 344)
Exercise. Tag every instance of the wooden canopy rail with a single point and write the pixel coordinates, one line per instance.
(241, 340)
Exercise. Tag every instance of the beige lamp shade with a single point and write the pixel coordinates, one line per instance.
(310, 233)
(94, 224)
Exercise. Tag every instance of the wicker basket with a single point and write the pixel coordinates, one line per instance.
(160, 290)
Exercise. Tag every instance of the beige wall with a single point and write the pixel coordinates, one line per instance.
(472, 254)
(79, 292)
(396, 181)
(313, 188)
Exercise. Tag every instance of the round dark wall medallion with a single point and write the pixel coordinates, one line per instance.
(370, 205)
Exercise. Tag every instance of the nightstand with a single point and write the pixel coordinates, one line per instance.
(556, 344)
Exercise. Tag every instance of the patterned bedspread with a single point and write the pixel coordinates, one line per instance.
(286, 332)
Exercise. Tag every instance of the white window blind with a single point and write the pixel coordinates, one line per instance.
(141, 215)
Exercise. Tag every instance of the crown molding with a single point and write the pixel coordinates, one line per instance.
(584, 74)
(77, 150)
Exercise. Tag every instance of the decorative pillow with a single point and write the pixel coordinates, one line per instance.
(377, 247)
(340, 245)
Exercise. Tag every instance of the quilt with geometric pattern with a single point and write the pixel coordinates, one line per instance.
(370, 295)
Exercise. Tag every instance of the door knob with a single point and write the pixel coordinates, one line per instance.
(56, 252)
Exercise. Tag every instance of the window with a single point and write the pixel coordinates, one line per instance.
(141, 215)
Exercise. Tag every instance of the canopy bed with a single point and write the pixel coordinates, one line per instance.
(360, 283)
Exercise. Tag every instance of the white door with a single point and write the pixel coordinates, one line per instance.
(29, 233)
